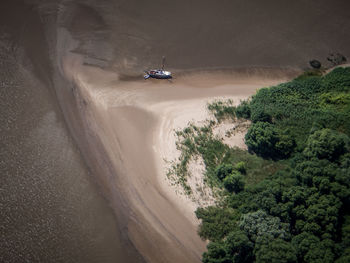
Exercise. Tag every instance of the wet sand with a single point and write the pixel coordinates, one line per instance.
(82, 145)
(127, 119)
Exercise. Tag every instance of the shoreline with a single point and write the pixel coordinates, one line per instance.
(133, 120)
(83, 146)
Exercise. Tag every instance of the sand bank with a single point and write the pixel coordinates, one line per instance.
(135, 121)
(57, 139)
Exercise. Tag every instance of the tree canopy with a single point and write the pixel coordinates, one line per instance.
(300, 212)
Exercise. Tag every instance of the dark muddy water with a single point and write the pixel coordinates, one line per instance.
(51, 209)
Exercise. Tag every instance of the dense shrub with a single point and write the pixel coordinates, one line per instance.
(241, 167)
(217, 253)
(243, 110)
(240, 247)
(223, 170)
(337, 80)
(216, 222)
(259, 114)
(259, 225)
(275, 251)
(310, 73)
(268, 141)
(234, 182)
(327, 144)
(261, 139)
(301, 212)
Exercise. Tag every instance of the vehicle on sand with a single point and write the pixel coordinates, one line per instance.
(158, 73)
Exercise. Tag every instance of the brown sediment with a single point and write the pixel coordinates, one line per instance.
(51, 209)
(126, 121)
(68, 127)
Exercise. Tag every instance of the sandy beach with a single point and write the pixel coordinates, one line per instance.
(135, 122)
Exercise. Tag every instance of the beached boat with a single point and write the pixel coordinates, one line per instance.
(158, 73)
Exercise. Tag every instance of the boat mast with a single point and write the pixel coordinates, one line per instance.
(163, 61)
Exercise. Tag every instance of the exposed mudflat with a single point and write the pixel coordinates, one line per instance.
(82, 137)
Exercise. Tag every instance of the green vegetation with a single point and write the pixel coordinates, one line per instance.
(288, 199)
(267, 140)
(234, 182)
(310, 73)
(222, 109)
(220, 161)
